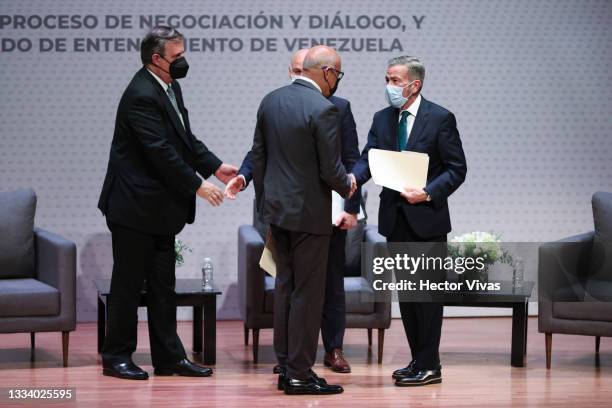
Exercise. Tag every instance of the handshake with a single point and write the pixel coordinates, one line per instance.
(213, 194)
(237, 184)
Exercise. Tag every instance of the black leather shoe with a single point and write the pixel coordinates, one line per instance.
(282, 377)
(312, 386)
(420, 377)
(125, 369)
(403, 372)
(184, 368)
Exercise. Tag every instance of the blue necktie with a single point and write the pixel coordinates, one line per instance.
(402, 135)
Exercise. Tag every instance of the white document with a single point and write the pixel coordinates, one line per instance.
(397, 170)
(266, 262)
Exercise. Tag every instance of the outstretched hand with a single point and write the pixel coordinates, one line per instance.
(210, 193)
(233, 187)
(226, 172)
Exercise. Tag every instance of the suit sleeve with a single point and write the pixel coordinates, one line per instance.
(453, 159)
(350, 154)
(361, 169)
(145, 119)
(205, 161)
(327, 144)
(259, 158)
(246, 168)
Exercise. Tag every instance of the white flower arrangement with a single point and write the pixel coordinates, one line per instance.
(479, 244)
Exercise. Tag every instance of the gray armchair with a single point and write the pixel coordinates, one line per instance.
(37, 273)
(256, 287)
(575, 276)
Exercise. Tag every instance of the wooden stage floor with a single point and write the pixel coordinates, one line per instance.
(475, 358)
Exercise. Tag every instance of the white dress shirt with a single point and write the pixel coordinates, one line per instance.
(165, 87)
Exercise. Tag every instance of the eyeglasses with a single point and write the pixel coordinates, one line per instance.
(339, 74)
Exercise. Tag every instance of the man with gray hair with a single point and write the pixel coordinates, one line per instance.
(296, 164)
(148, 196)
(419, 215)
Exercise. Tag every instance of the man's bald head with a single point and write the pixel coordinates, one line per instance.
(322, 64)
(321, 56)
(297, 62)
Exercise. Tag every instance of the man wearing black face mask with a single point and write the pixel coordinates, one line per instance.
(333, 323)
(148, 196)
(296, 164)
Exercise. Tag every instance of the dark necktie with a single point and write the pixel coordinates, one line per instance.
(172, 97)
(402, 135)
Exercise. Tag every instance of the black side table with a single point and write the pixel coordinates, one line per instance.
(508, 296)
(189, 292)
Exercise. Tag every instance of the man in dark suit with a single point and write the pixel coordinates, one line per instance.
(147, 197)
(333, 323)
(296, 164)
(416, 215)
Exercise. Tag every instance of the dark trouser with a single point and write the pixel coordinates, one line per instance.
(136, 256)
(422, 320)
(301, 263)
(334, 306)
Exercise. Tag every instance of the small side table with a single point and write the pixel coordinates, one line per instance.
(189, 292)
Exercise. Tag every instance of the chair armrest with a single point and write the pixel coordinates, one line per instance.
(561, 262)
(56, 266)
(251, 278)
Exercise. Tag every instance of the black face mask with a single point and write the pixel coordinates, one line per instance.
(333, 90)
(178, 68)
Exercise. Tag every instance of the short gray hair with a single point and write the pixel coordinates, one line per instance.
(155, 42)
(416, 69)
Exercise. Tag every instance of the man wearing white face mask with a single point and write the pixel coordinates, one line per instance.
(418, 214)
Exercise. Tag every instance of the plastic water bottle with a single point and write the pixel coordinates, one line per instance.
(207, 274)
(519, 273)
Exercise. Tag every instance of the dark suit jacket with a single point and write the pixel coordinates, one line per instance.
(296, 159)
(435, 133)
(151, 177)
(349, 154)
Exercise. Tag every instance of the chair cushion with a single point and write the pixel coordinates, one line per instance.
(356, 290)
(592, 311)
(359, 295)
(17, 209)
(28, 297)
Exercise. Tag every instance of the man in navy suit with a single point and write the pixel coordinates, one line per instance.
(333, 323)
(418, 214)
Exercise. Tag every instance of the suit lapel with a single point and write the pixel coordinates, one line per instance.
(393, 123)
(176, 121)
(419, 124)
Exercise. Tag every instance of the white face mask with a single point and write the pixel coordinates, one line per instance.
(394, 96)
